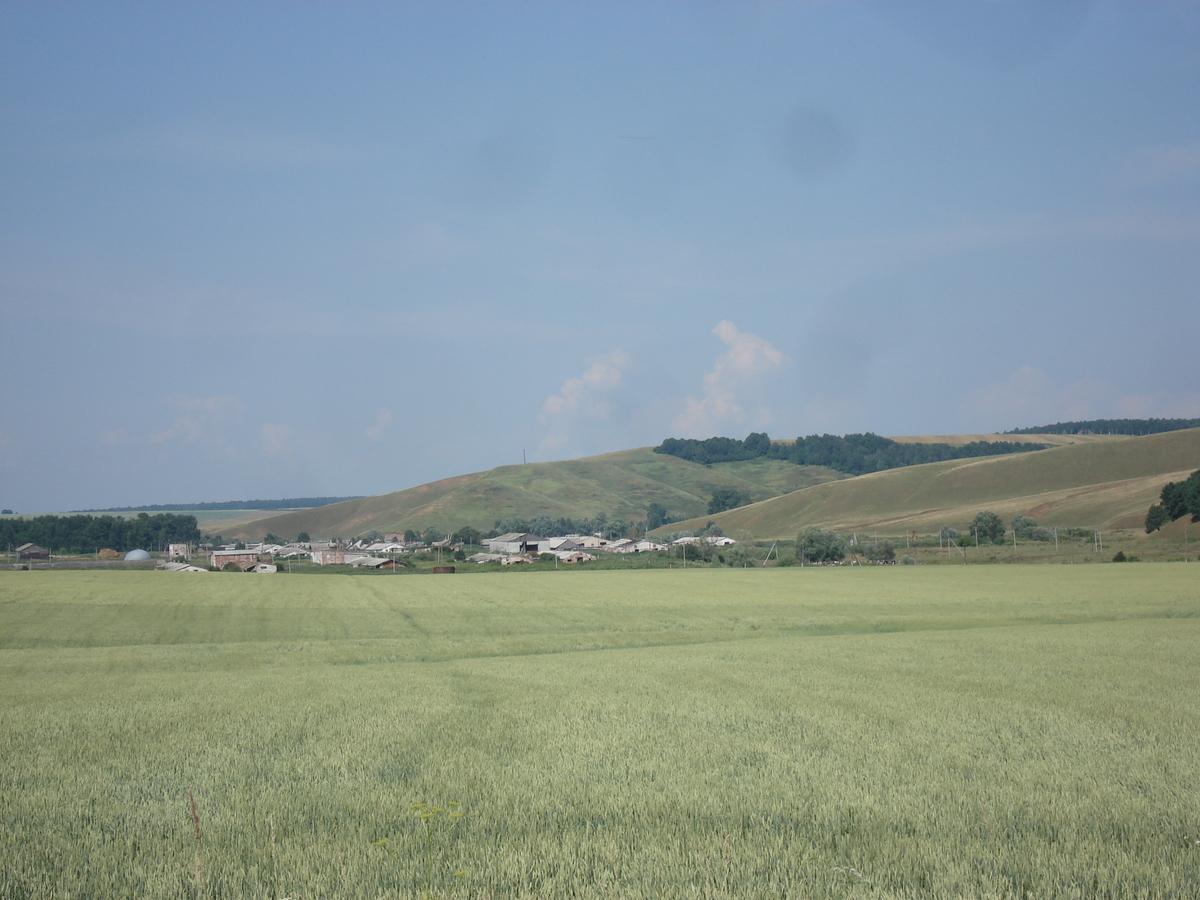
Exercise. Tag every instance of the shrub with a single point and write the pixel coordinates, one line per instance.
(1023, 525)
(987, 526)
(815, 545)
(726, 498)
(907, 560)
(880, 552)
(1040, 534)
(1120, 556)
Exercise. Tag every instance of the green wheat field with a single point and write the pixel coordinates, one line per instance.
(915, 732)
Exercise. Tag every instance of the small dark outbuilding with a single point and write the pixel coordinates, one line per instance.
(32, 551)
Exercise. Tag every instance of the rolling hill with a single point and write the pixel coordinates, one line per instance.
(1100, 483)
(1085, 480)
(621, 485)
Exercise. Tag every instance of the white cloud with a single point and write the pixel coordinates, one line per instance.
(748, 356)
(382, 420)
(1031, 397)
(201, 418)
(585, 397)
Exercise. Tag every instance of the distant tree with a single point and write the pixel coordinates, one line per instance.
(273, 538)
(880, 552)
(7, 512)
(541, 525)
(240, 545)
(726, 498)
(411, 536)
(948, 534)
(656, 516)
(757, 444)
(303, 538)
(1120, 556)
(433, 534)
(737, 557)
(1178, 498)
(1041, 534)
(467, 535)
(1022, 526)
(988, 526)
(1156, 518)
(814, 545)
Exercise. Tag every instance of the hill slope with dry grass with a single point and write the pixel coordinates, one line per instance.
(1101, 483)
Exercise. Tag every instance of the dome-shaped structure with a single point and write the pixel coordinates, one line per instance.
(137, 554)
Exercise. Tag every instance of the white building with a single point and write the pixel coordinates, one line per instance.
(517, 542)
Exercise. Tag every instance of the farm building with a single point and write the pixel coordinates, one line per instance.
(178, 567)
(220, 558)
(589, 541)
(577, 556)
(517, 542)
(178, 551)
(328, 557)
(32, 551)
(371, 562)
(631, 546)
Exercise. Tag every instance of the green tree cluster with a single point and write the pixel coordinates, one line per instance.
(815, 545)
(987, 526)
(726, 498)
(1178, 498)
(1023, 527)
(87, 534)
(852, 454)
(880, 551)
(547, 526)
(1112, 426)
(656, 516)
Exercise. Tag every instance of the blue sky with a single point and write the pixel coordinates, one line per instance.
(272, 250)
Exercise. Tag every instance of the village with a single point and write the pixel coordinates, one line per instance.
(513, 548)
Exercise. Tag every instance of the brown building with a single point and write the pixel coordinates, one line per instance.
(32, 551)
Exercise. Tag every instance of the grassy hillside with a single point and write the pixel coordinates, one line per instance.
(1108, 483)
(620, 485)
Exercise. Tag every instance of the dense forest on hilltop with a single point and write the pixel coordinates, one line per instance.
(87, 534)
(851, 454)
(1135, 427)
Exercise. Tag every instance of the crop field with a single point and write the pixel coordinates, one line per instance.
(914, 732)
